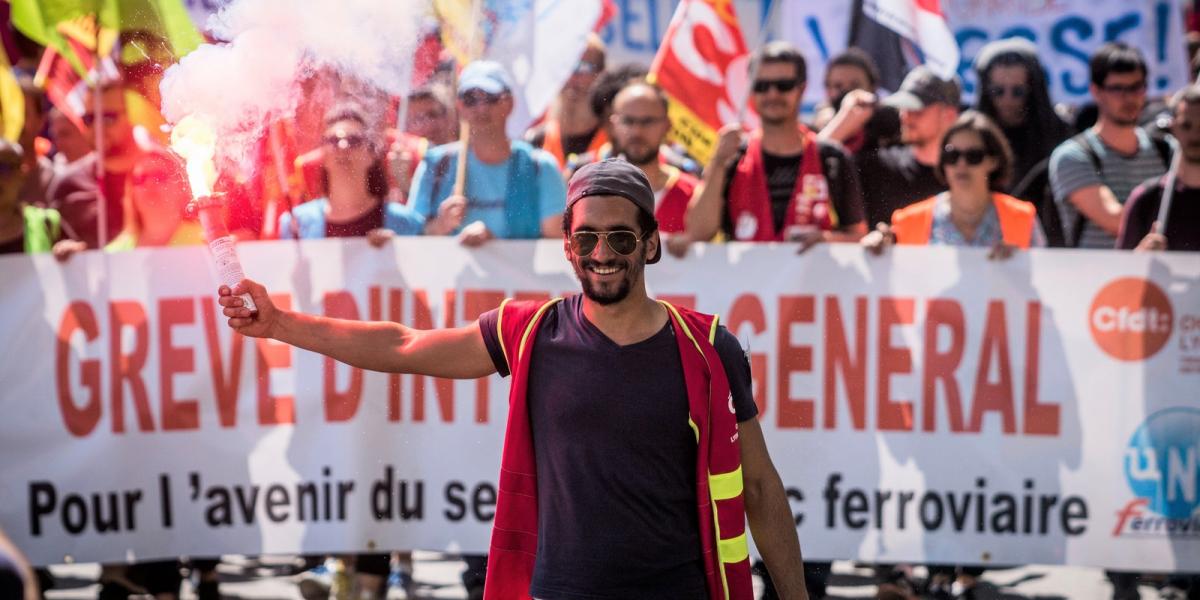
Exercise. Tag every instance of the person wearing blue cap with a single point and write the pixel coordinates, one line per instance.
(632, 456)
(511, 190)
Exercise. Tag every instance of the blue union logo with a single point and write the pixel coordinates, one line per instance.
(1162, 462)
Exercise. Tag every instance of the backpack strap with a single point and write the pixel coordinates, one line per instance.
(1163, 147)
(441, 168)
(1072, 238)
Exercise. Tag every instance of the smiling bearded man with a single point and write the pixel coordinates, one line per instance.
(632, 457)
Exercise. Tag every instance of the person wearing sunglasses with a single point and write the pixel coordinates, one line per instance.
(355, 181)
(598, 494)
(572, 127)
(75, 190)
(975, 163)
(854, 75)
(640, 126)
(1011, 90)
(779, 182)
(512, 190)
(1092, 174)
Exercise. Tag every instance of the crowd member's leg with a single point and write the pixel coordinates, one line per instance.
(314, 580)
(160, 578)
(941, 581)
(371, 574)
(816, 579)
(475, 574)
(404, 564)
(207, 587)
(1181, 586)
(115, 583)
(1125, 585)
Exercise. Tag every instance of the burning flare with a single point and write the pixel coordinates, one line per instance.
(195, 139)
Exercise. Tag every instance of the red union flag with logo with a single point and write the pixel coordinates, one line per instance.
(702, 65)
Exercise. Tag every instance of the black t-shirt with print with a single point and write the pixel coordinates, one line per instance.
(845, 194)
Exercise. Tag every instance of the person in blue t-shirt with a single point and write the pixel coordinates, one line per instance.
(512, 191)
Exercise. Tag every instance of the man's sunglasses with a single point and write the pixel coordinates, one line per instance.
(108, 118)
(1125, 90)
(761, 86)
(583, 243)
(974, 156)
(345, 142)
(476, 98)
(1017, 91)
(637, 122)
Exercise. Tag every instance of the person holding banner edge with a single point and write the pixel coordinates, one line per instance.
(1154, 220)
(976, 164)
(780, 182)
(648, 433)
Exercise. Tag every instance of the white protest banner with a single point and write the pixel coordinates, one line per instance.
(1066, 32)
(929, 405)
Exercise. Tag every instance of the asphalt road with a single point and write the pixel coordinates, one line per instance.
(437, 576)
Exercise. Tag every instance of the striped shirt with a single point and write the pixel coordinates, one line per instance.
(1071, 169)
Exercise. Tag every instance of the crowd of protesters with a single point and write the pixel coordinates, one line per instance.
(915, 167)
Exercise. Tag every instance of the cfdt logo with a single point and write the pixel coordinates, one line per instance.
(1162, 468)
(1131, 319)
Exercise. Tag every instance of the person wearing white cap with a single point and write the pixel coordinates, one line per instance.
(511, 191)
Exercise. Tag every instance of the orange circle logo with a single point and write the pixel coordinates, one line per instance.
(1131, 319)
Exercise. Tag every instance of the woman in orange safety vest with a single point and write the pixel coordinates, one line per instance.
(975, 163)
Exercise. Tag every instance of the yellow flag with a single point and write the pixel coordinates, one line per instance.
(12, 102)
(460, 32)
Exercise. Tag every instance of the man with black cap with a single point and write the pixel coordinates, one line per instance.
(629, 464)
(895, 177)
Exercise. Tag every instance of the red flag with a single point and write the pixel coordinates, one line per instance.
(702, 64)
(62, 83)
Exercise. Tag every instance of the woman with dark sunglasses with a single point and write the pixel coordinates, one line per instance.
(355, 180)
(1011, 90)
(975, 163)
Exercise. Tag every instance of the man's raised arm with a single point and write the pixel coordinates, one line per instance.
(376, 345)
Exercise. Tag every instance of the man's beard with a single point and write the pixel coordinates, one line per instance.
(773, 121)
(612, 295)
(1123, 122)
(644, 158)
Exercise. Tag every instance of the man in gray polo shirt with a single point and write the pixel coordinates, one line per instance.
(1092, 182)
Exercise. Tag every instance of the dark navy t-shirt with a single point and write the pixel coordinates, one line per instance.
(616, 459)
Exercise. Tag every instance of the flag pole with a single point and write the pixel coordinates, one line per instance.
(1164, 205)
(406, 75)
(98, 138)
(460, 173)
